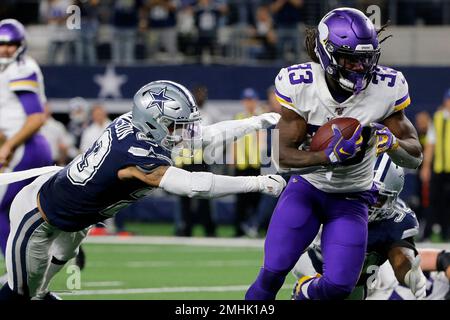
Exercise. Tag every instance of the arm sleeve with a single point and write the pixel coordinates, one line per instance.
(227, 131)
(205, 184)
(30, 102)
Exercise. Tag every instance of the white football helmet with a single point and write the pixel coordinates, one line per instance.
(12, 32)
(389, 179)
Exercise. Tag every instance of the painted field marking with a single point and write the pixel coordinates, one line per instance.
(159, 290)
(94, 284)
(208, 242)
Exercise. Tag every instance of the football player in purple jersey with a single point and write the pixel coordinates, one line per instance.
(336, 187)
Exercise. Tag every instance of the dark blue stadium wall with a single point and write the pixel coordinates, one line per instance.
(427, 84)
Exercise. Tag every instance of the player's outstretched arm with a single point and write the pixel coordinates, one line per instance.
(204, 184)
(227, 131)
(435, 260)
(292, 133)
(407, 270)
(405, 149)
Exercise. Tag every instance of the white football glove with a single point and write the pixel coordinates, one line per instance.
(416, 280)
(271, 184)
(268, 119)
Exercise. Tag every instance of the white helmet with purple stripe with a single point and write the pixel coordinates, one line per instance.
(347, 36)
(12, 32)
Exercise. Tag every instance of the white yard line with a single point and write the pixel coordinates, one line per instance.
(208, 242)
(177, 264)
(159, 290)
(203, 263)
(102, 284)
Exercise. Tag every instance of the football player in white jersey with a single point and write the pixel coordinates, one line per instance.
(51, 216)
(21, 115)
(436, 265)
(342, 80)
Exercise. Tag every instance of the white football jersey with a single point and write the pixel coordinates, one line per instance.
(23, 75)
(303, 89)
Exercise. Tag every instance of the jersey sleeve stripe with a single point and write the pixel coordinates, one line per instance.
(15, 85)
(283, 97)
(402, 103)
(284, 102)
(410, 233)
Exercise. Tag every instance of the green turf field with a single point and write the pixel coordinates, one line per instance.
(143, 271)
(183, 269)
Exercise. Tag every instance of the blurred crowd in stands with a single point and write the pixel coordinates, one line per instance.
(136, 31)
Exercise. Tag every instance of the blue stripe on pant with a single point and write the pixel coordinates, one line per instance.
(30, 222)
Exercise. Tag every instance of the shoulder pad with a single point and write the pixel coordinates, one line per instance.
(24, 76)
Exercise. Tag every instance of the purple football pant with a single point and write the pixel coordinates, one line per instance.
(300, 211)
(34, 153)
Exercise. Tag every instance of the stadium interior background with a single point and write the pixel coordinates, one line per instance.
(226, 45)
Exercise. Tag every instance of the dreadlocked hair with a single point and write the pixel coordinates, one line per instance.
(310, 43)
(311, 35)
(381, 30)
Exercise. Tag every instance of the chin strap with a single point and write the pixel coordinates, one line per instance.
(355, 87)
(359, 85)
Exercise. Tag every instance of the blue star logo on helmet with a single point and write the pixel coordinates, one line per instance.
(158, 99)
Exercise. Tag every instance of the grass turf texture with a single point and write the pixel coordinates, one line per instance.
(171, 267)
(150, 267)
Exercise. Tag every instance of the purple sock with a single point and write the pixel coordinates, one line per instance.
(295, 222)
(265, 286)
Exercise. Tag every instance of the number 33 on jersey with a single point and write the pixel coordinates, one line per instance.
(303, 89)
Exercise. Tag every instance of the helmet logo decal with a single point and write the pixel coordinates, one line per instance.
(158, 99)
(330, 48)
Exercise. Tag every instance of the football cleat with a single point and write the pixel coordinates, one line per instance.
(297, 293)
(49, 296)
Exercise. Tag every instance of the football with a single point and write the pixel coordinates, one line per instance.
(324, 134)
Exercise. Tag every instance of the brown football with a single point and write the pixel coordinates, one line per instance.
(324, 134)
